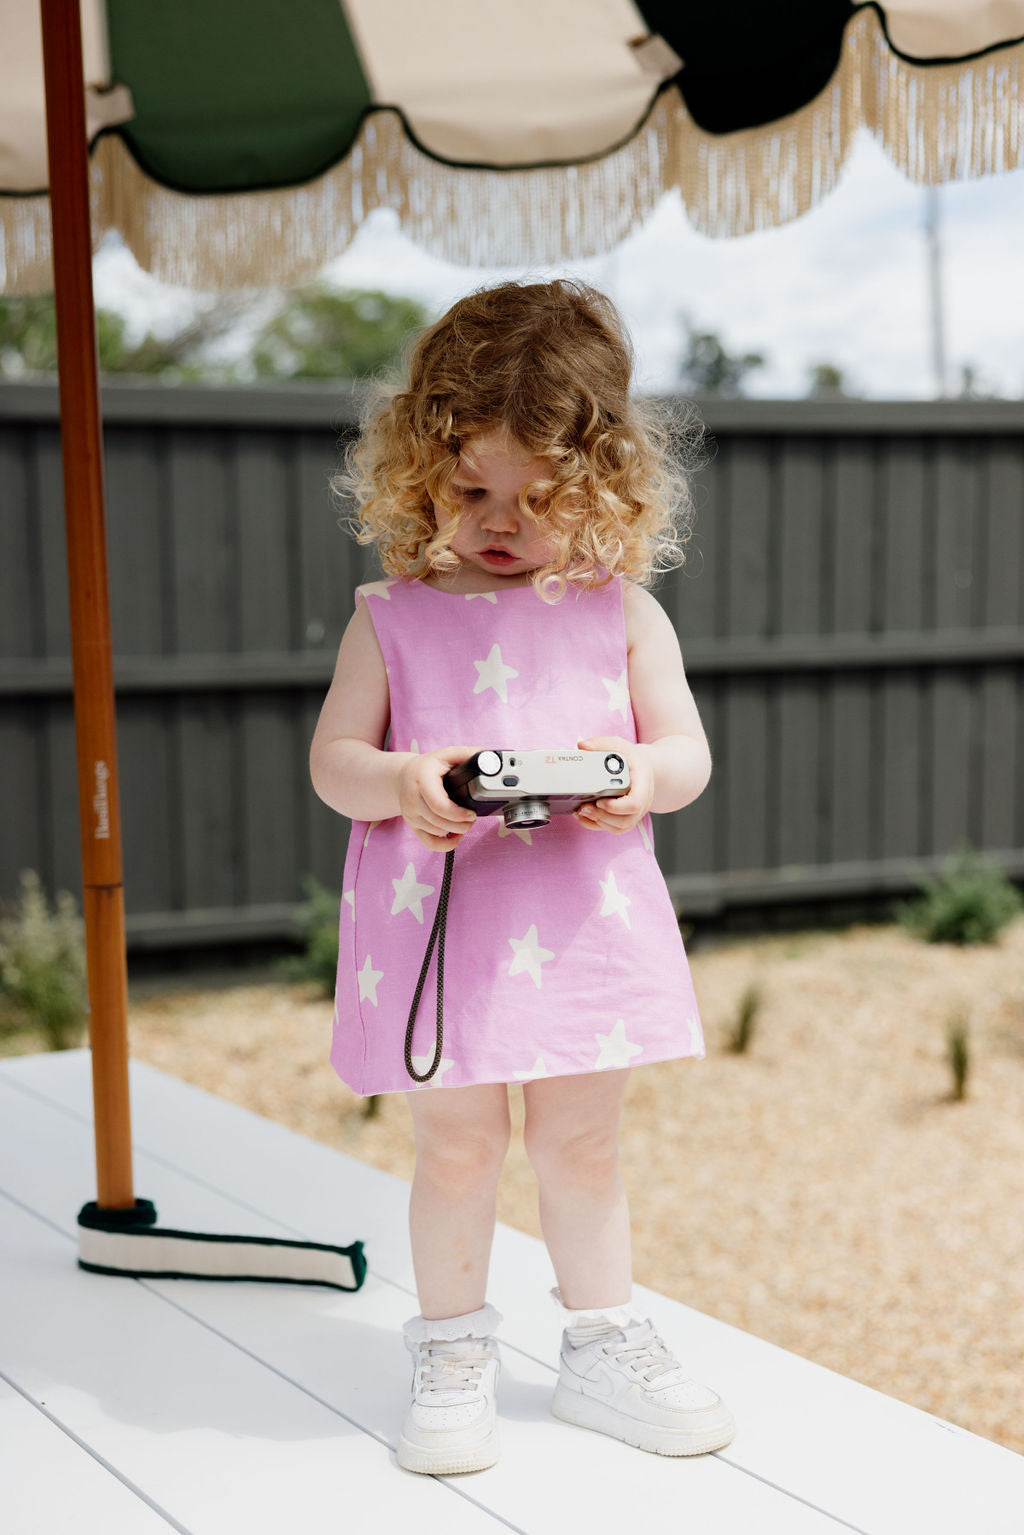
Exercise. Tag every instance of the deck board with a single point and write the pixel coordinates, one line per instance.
(217, 1441)
(345, 1352)
(74, 1479)
(814, 1452)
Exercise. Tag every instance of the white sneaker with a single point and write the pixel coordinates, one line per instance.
(451, 1424)
(628, 1385)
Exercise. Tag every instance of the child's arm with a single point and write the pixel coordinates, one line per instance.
(348, 766)
(671, 764)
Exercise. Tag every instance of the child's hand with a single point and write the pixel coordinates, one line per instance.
(628, 810)
(438, 822)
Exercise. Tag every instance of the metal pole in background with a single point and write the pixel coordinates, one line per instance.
(82, 454)
(935, 293)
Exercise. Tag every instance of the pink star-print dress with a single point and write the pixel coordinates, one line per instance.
(563, 953)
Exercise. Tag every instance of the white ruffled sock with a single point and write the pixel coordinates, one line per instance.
(471, 1324)
(587, 1326)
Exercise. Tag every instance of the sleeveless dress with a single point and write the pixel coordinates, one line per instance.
(563, 952)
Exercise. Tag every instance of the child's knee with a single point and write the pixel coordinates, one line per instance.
(583, 1159)
(464, 1161)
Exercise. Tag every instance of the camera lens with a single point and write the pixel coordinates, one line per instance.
(524, 813)
(614, 764)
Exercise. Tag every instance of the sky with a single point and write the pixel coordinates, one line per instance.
(845, 284)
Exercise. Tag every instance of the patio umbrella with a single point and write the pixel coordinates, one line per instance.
(243, 143)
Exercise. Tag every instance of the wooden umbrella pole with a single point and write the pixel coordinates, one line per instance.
(82, 453)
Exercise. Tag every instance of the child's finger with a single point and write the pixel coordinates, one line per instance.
(624, 805)
(439, 824)
(451, 756)
(593, 816)
(595, 743)
(448, 812)
(439, 844)
(435, 797)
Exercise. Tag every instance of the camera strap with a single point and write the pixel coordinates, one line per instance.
(436, 936)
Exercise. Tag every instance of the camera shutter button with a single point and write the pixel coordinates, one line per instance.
(614, 764)
(488, 763)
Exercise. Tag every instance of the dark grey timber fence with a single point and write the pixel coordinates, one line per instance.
(852, 618)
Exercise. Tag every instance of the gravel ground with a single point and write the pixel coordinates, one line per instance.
(822, 1189)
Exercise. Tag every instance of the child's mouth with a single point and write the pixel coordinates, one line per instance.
(497, 557)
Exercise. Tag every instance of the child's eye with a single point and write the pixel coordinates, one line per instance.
(465, 493)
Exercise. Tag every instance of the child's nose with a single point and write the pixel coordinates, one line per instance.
(501, 519)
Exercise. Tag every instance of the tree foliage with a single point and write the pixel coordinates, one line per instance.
(323, 334)
(28, 336)
(707, 367)
(317, 333)
(826, 381)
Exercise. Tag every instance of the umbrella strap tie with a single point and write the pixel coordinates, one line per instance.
(127, 1242)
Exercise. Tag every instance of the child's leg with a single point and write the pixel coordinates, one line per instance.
(462, 1135)
(571, 1134)
(615, 1374)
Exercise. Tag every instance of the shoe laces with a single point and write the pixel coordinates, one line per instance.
(645, 1354)
(453, 1366)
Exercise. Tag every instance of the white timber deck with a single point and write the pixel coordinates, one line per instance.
(136, 1406)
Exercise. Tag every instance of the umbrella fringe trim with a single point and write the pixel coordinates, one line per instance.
(937, 123)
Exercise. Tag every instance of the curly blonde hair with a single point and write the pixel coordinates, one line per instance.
(549, 366)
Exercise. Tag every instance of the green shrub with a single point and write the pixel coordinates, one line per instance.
(970, 902)
(42, 963)
(317, 926)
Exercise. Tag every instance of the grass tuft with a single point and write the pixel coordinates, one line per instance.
(958, 1048)
(743, 1032)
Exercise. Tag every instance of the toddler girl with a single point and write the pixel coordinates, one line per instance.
(520, 501)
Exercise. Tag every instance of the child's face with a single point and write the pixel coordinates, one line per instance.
(491, 472)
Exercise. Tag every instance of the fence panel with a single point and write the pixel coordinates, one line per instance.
(851, 614)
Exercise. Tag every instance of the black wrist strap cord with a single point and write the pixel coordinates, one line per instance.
(440, 922)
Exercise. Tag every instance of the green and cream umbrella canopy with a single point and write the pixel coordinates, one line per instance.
(242, 142)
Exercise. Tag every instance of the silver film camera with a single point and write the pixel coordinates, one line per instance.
(529, 787)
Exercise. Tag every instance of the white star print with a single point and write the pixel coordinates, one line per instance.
(645, 835)
(529, 956)
(615, 900)
(487, 596)
(615, 1049)
(378, 588)
(350, 897)
(369, 830)
(424, 1062)
(618, 693)
(696, 1036)
(493, 673)
(368, 978)
(414, 745)
(538, 1069)
(522, 832)
(409, 894)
